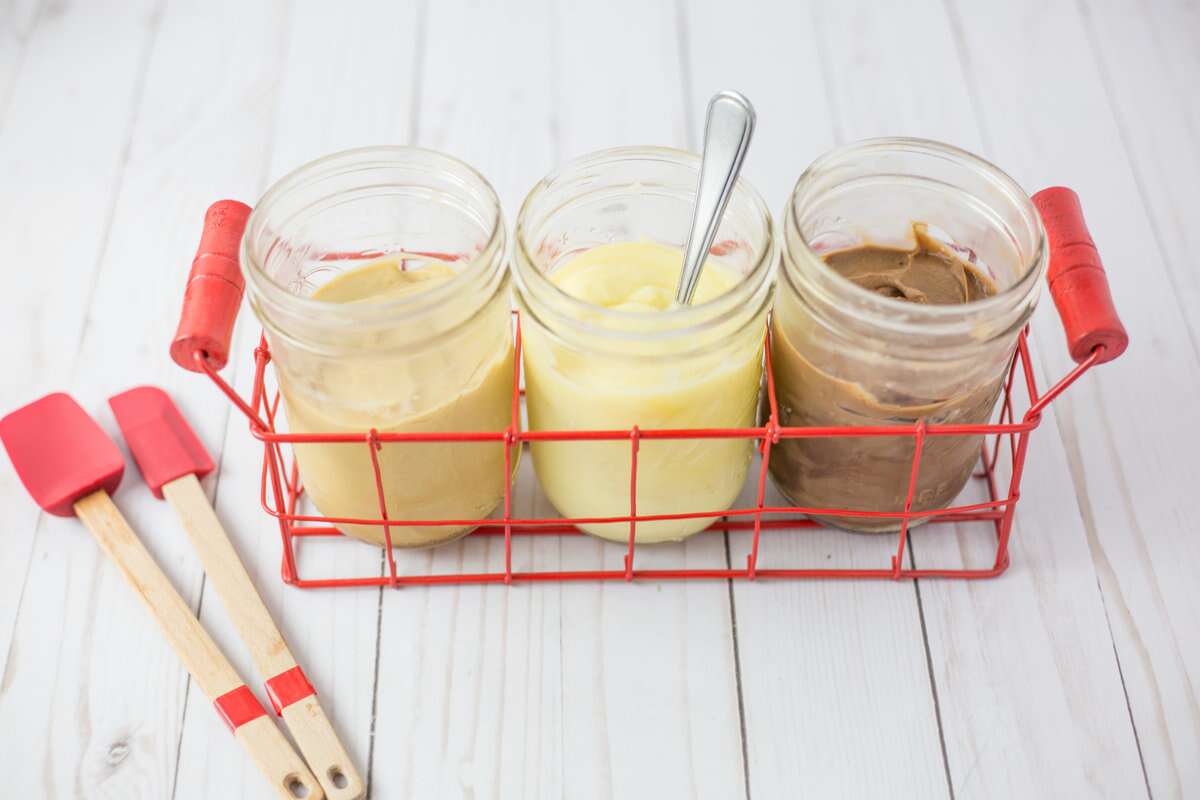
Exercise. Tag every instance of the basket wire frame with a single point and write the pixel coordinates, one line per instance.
(281, 490)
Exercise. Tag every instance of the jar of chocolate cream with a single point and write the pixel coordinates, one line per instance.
(379, 277)
(909, 269)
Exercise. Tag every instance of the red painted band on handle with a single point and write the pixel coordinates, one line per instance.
(289, 686)
(239, 706)
(1077, 280)
(214, 289)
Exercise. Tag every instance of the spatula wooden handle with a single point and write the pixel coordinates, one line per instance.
(291, 694)
(213, 673)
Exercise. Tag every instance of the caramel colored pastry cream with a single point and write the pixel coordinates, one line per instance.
(872, 473)
(421, 480)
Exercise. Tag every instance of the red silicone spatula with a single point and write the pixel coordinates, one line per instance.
(69, 465)
(172, 461)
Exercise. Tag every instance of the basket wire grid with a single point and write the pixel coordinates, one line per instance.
(281, 490)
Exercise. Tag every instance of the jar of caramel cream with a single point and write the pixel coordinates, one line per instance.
(909, 269)
(598, 252)
(379, 277)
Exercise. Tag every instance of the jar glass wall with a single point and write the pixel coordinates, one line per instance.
(846, 355)
(591, 364)
(378, 275)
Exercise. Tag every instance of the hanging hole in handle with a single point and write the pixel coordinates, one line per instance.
(338, 778)
(296, 786)
(213, 293)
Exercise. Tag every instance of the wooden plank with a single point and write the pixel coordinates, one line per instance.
(1129, 72)
(469, 677)
(555, 690)
(63, 700)
(1030, 698)
(17, 21)
(837, 699)
(1151, 76)
(491, 691)
(347, 81)
(183, 153)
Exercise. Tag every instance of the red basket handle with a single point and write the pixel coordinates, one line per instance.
(214, 289)
(1076, 276)
(1077, 280)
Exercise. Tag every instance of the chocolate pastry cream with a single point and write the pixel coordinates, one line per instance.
(872, 473)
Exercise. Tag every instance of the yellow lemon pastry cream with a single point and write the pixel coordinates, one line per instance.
(636, 276)
(671, 383)
(393, 389)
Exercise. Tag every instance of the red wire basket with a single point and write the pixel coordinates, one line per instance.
(1077, 284)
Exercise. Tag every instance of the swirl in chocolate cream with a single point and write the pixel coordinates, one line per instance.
(872, 474)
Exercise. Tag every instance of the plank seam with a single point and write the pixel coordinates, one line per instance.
(1102, 566)
(737, 671)
(375, 676)
(968, 72)
(685, 79)
(269, 139)
(1137, 740)
(937, 706)
(823, 60)
(414, 128)
(6, 665)
(682, 29)
(187, 692)
(422, 24)
(981, 124)
(1136, 173)
(554, 81)
(19, 62)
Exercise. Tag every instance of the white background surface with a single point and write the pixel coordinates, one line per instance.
(1073, 675)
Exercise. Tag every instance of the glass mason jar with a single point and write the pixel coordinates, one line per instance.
(589, 367)
(431, 359)
(844, 355)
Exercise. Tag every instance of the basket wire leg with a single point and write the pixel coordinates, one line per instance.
(635, 436)
(273, 464)
(770, 437)
(1010, 506)
(262, 357)
(919, 443)
(512, 437)
(294, 490)
(509, 437)
(1006, 416)
(288, 570)
(374, 446)
(765, 449)
(271, 409)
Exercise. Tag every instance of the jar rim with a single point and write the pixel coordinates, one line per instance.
(419, 159)
(895, 316)
(682, 320)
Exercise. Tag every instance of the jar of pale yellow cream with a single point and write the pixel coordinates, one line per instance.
(378, 275)
(599, 246)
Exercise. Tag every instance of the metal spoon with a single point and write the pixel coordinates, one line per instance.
(727, 131)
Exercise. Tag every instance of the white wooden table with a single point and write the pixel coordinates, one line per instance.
(1076, 674)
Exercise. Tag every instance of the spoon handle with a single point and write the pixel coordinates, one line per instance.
(727, 132)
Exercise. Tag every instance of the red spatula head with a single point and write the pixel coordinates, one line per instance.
(60, 453)
(162, 443)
